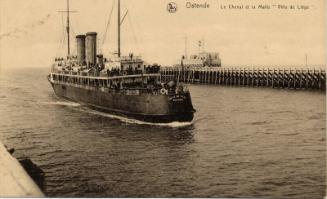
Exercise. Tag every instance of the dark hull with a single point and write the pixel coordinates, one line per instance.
(145, 106)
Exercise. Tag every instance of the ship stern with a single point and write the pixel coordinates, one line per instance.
(181, 107)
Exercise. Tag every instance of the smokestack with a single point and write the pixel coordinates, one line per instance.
(80, 41)
(91, 48)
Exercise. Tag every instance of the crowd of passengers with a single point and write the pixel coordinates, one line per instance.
(130, 71)
(152, 86)
(95, 70)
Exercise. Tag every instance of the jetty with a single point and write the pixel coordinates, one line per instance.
(283, 78)
(14, 180)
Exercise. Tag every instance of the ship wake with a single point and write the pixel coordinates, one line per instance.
(121, 118)
(135, 121)
(63, 103)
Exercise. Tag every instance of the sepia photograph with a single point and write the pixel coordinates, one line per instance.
(163, 99)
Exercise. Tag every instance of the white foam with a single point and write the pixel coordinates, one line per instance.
(134, 121)
(63, 103)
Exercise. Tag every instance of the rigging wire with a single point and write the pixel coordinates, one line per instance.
(73, 23)
(63, 35)
(133, 32)
(74, 35)
(121, 22)
(108, 24)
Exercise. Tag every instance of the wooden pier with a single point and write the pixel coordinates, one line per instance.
(291, 78)
(14, 180)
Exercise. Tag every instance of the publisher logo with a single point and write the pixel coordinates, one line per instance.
(172, 7)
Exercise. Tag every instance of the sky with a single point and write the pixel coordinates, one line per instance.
(32, 31)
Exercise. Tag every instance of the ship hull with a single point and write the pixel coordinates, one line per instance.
(144, 106)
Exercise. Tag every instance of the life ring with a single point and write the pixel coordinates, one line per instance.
(163, 91)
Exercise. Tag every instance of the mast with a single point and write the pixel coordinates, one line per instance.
(185, 47)
(118, 28)
(68, 27)
(68, 39)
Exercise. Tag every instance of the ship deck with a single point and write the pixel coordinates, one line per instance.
(108, 77)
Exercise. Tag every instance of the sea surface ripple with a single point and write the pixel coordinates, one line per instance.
(243, 142)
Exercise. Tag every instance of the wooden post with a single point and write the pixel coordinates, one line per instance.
(248, 83)
(243, 77)
(267, 78)
(307, 79)
(216, 76)
(283, 78)
(234, 76)
(301, 78)
(228, 77)
(206, 76)
(319, 79)
(251, 77)
(257, 76)
(201, 76)
(273, 78)
(223, 77)
(288, 78)
(315, 79)
(279, 78)
(211, 77)
(295, 79)
(238, 76)
(219, 77)
(234, 73)
(254, 77)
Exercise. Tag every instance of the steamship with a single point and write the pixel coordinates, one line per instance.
(201, 60)
(120, 85)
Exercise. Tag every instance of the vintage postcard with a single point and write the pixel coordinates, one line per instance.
(163, 98)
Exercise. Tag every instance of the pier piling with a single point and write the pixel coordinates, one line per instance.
(290, 78)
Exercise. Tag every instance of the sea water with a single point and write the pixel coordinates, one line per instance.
(243, 142)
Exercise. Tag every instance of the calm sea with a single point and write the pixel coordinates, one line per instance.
(243, 142)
